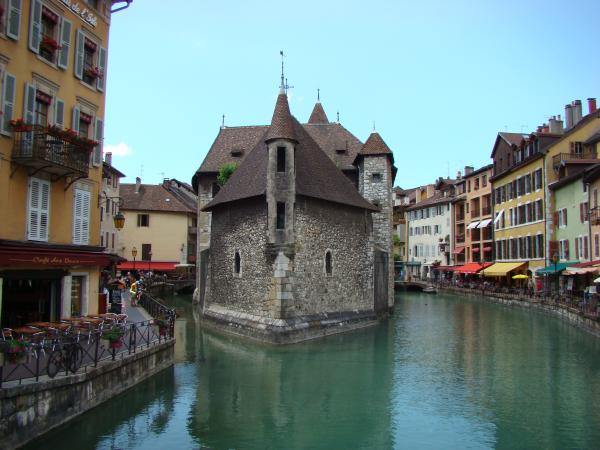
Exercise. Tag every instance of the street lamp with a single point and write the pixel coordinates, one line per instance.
(555, 261)
(134, 254)
(119, 218)
(149, 259)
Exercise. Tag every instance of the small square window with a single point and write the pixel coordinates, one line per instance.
(376, 177)
(143, 220)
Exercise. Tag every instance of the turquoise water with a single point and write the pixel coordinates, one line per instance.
(444, 372)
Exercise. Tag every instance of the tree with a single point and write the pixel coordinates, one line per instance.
(225, 171)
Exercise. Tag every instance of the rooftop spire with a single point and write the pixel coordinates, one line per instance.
(318, 95)
(282, 124)
(282, 85)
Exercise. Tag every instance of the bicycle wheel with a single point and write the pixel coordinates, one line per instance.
(55, 363)
(75, 358)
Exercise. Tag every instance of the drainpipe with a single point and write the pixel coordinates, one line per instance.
(589, 218)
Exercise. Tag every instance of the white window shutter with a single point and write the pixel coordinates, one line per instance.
(35, 26)
(102, 66)
(65, 44)
(38, 210)
(79, 54)
(8, 107)
(59, 113)
(29, 106)
(13, 26)
(76, 115)
(77, 216)
(99, 132)
(85, 217)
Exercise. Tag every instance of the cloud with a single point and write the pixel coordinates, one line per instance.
(121, 149)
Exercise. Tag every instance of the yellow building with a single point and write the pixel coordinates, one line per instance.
(160, 223)
(53, 56)
(519, 198)
(576, 150)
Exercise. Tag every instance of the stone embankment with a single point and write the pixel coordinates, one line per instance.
(575, 316)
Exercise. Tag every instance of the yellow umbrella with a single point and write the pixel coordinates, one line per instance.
(520, 276)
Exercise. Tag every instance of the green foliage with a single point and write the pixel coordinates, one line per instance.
(12, 345)
(397, 257)
(225, 171)
(396, 239)
(113, 334)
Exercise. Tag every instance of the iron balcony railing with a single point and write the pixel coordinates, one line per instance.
(594, 215)
(37, 147)
(586, 154)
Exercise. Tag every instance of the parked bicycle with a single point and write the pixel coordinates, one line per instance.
(68, 358)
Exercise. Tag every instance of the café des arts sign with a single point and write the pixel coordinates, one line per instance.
(83, 13)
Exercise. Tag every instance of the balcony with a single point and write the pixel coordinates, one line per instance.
(586, 154)
(594, 215)
(51, 150)
(475, 213)
(486, 211)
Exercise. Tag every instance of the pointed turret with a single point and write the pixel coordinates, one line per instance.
(318, 115)
(282, 124)
(375, 145)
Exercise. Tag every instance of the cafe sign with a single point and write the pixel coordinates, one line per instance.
(58, 259)
(83, 13)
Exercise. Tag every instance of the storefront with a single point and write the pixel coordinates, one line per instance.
(46, 283)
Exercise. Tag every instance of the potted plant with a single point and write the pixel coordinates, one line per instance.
(93, 72)
(49, 43)
(163, 325)
(114, 336)
(15, 350)
(20, 125)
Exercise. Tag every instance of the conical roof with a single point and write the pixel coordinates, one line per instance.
(282, 124)
(318, 115)
(375, 145)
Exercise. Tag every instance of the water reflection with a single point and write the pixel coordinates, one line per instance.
(445, 372)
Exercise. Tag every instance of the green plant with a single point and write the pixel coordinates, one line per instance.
(397, 257)
(225, 171)
(396, 239)
(15, 346)
(114, 334)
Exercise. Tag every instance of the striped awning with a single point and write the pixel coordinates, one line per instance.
(502, 269)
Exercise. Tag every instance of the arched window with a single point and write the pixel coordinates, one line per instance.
(328, 263)
(237, 265)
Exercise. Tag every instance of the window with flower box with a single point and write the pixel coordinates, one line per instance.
(49, 34)
(86, 127)
(90, 61)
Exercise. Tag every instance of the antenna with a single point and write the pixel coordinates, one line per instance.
(448, 168)
(141, 171)
(374, 129)
(223, 121)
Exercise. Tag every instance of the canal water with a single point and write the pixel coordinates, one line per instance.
(444, 372)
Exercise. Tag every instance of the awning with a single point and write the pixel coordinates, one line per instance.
(580, 270)
(446, 268)
(484, 223)
(459, 249)
(501, 269)
(473, 225)
(487, 249)
(148, 265)
(475, 249)
(472, 267)
(498, 216)
(549, 270)
(588, 263)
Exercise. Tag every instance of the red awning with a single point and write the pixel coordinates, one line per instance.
(458, 250)
(587, 264)
(148, 265)
(472, 267)
(487, 249)
(446, 268)
(52, 257)
(475, 249)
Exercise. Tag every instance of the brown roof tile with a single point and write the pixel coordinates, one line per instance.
(338, 143)
(318, 115)
(375, 145)
(282, 125)
(435, 199)
(316, 176)
(151, 197)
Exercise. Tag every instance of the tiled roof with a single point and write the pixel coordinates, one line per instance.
(513, 138)
(151, 197)
(375, 145)
(316, 175)
(338, 143)
(282, 125)
(318, 115)
(435, 199)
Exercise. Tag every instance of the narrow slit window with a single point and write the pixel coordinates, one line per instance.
(280, 216)
(328, 263)
(237, 263)
(280, 159)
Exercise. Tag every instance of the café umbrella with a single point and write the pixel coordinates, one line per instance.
(520, 276)
(597, 280)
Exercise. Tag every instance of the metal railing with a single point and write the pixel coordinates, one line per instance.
(586, 154)
(36, 146)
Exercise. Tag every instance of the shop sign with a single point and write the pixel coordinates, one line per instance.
(23, 258)
(83, 13)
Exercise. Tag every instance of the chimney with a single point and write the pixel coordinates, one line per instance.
(577, 113)
(458, 175)
(108, 158)
(545, 128)
(468, 170)
(592, 105)
(569, 116)
(555, 125)
(138, 181)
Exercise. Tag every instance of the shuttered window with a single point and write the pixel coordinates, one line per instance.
(38, 211)
(59, 113)
(101, 68)
(35, 26)
(8, 102)
(65, 44)
(99, 131)
(13, 25)
(79, 54)
(81, 217)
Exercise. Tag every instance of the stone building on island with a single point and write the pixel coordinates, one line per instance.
(294, 251)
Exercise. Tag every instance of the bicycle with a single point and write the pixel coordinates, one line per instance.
(68, 358)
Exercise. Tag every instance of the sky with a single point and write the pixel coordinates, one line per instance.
(437, 79)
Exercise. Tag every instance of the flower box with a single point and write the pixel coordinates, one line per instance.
(93, 72)
(49, 43)
(19, 125)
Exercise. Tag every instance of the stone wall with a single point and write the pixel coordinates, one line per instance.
(30, 410)
(240, 227)
(322, 226)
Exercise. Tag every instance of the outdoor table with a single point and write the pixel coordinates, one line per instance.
(56, 325)
(26, 331)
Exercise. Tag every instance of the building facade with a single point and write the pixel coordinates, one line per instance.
(159, 225)
(110, 201)
(53, 61)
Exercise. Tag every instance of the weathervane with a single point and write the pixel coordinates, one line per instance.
(318, 95)
(284, 85)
